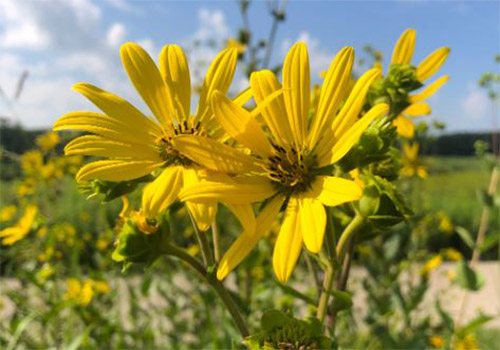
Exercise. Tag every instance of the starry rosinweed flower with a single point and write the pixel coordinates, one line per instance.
(285, 157)
(402, 55)
(11, 235)
(136, 144)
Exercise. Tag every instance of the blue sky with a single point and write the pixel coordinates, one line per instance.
(61, 42)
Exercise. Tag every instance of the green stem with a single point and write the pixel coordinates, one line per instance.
(325, 293)
(202, 241)
(215, 238)
(353, 226)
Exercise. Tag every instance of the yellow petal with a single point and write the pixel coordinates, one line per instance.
(243, 97)
(158, 195)
(417, 109)
(289, 243)
(429, 90)
(404, 127)
(240, 125)
(245, 214)
(264, 83)
(432, 63)
(175, 71)
(119, 109)
(332, 92)
(92, 145)
(116, 170)
(403, 51)
(219, 77)
(148, 82)
(203, 213)
(422, 172)
(240, 191)
(411, 150)
(351, 136)
(240, 249)
(297, 94)
(101, 124)
(215, 155)
(313, 223)
(333, 191)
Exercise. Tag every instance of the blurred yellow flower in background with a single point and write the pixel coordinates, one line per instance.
(83, 292)
(15, 233)
(7, 213)
(436, 342)
(403, 54)
(232, 43)
(432, 264)
(48, 141)
(411, 163)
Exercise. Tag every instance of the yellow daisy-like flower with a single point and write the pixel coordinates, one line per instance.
(137, 144)
(286, 157)
(48, 141)
(7, 213)
(411, 163)
(432, 264)
(402, 54)
(15, 233)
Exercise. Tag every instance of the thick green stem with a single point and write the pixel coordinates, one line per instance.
(325, 293)
(353, 226)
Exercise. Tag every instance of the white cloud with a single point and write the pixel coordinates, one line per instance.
(475, 105)
(116, 34)
(120, 5)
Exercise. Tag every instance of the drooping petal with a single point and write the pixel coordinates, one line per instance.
(243, 97)
(158, 195)
(219, 77)
(240, 191)
(120, 110)
(403, 51)
(333, 191)
(93, 145)
(215, 155)
(313, 223)
(175, 71)
(116, 170)
(332, 92)
(148, 82)
(429, 90)
(244, 244)
(100, 124)
(264, 83)
(203, 213)
(404, 127)
(417, 109)
(297, 90)
(240, 125)
(289, 243)
(245, 214)
(351, 136)
(432, 63)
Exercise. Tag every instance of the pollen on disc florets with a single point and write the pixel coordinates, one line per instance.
(164, 145)
(290, 169)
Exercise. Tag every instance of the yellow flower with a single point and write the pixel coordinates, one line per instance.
(467, 342)
(15, 233)
(431, 264)
(402, 54)
(288, 155)
(445, 224)
(83, 293)
(411, 163)
(7, 213)
(48, 141)
(136, 144)
(102, 287)
(235, 44)
(31, 162)
(74, 289)
(436, 342)
(453, 254)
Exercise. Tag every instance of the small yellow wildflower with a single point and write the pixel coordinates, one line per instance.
(467, 342)
(287, 154)
(74, 289)
(42, 232)
(31, 162)
(436, 342)
(236, 44)
(445, 224)
(453, 254)
(102, 287)
(15, 233)
(102, 244)
(402, 54)
(45, 273)
(193, 249)
(7, 213)
(411, 164)
(48, 141)
(87, 293)
(431, 264)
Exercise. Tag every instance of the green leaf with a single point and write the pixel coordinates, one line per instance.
(467, 278)
(273, 319)
(490, 242)
(476, 323)
(485, 198)
(466, 236)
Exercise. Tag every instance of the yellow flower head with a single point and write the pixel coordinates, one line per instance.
(136, 144)
(445, 224)
(15, 233)
(284, 157)
(431, 264)
(48, 141)
(411, 164)
(453, 254)
(403, 54)
(31, 162)
(7, 213)
(436, 342)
